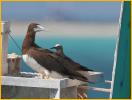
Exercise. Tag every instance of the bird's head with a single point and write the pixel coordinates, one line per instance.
(57, 47)
(34, 27)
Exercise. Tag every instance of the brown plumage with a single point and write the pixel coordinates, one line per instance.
(76, 66)
(43, 60)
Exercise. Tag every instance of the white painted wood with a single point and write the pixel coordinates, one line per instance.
(58, 93)
(95, 89)
(5, 27)
(13, 56)
(5, 31)
(53, 93)
(58, 88)
(44, 83)
(30, 82)
(93, 77)
(69, 92)
(108, 81)
(41, 83)
(14, 64)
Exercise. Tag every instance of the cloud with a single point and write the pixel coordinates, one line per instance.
(69, 29)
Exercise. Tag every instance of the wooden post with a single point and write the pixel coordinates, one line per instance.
(39, 88)
(14, 62)
(5, 30)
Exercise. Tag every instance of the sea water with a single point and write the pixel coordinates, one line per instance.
(95, 53)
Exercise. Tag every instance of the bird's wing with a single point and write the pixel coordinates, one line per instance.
(40, 48)
(52, 62)
(35, 45)
(77, 66)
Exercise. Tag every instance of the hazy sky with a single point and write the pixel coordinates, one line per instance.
(64, 19)
(69, 11)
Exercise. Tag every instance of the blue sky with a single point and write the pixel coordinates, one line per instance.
(62, 11)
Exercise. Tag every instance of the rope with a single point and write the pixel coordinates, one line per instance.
(15, 41)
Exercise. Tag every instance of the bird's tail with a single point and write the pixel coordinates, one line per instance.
(84, 79)
(83, 68)
(79, 76)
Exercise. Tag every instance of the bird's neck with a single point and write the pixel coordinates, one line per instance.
(60, 52)
(28, 42)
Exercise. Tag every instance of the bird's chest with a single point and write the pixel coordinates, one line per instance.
(31, 62)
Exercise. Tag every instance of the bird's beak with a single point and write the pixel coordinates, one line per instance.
(53, 48)
(40, 28)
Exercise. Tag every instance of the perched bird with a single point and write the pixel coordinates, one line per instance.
(76, 66)
(43, 60)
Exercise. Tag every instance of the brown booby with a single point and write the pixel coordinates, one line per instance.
(76, 66)
(43, 60)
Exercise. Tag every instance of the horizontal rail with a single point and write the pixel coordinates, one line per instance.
(108, 81)
(39, 83)
(95, 89)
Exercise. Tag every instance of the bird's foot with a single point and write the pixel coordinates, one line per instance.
(82, 95)
(46, 77)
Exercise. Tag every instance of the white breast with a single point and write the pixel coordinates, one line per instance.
(31, 62)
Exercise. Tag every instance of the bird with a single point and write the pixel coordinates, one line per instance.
(76, 66)
(43, 60)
